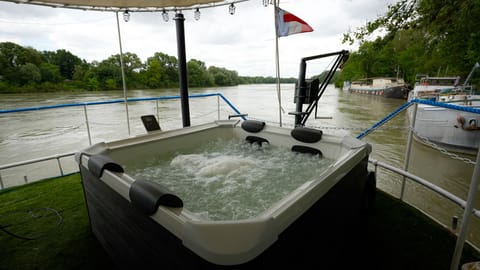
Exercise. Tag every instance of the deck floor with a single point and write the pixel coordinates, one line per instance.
(45, 225)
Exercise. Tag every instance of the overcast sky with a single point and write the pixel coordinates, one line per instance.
(244, 42)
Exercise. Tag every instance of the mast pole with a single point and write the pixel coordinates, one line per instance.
(277, 61)
(123, 74)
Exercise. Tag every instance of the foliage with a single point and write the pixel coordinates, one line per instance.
(439, 38)
(401, 15)
(222, 76)
(29, 73)
(64, 60)
(26, 69)
(198, 74)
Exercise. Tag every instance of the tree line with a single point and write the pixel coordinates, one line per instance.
(24, 69)
(438, 38)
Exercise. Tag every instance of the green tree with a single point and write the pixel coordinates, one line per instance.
(401, 15)
(409, 48)
(65, 61)
(223, 76)
(152, 77)
(92, 84)
(198, 74)
(164, 64)
(50, 73)
(110, 84)
(12, 58)
(109, 69)
(131, 63)
(26, 69)
(29, 73)
(423, 36)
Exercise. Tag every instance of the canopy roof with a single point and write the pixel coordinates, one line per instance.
(132, 5)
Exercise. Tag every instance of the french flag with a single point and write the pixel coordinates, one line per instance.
(289, 24)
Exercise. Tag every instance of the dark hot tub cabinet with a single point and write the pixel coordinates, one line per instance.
(143, 224)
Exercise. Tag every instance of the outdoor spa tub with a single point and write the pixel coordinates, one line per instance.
(274, 196)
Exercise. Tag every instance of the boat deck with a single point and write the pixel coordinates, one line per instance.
(44, 225)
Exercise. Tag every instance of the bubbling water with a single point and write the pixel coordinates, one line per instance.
(232, 179)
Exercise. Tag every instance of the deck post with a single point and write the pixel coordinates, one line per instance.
(300, 92)
(122, 69)
(218, 108)
(158, 111)
(182, 68)
(472, 193)
(88, 126)
(60, 165)
(409, 148)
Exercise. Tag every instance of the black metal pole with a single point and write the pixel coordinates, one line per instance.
(182, 68)
(300, 92)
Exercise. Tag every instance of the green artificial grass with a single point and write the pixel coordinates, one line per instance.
(45, 226)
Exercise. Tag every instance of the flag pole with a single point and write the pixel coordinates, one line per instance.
(277, 61)
(122, 68)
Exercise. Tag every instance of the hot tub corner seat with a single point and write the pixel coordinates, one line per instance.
(146, 196)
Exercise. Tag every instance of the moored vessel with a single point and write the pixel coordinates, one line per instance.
(454, 128)
(384, 86)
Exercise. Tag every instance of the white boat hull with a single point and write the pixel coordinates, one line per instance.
(442, 127)
(453, 129)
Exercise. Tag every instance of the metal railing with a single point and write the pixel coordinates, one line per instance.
(468, 205)
(442, 192)
(403, 172)
(93, 103)
(26, 180)
(33, 161)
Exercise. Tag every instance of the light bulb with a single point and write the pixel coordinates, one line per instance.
(126, 16)
(231, 9)
(196, 14)
(165, 15)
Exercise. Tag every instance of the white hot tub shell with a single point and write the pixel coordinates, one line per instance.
(143, 224)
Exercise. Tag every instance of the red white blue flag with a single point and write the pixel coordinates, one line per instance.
(289, 24)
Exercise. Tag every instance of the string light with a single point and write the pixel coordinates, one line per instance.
(196, 14)
(126, 16)
(165, 15)
(231, 9)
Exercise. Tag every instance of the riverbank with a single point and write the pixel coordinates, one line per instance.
(45, 226)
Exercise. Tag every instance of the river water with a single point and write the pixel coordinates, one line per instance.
(29, 135)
